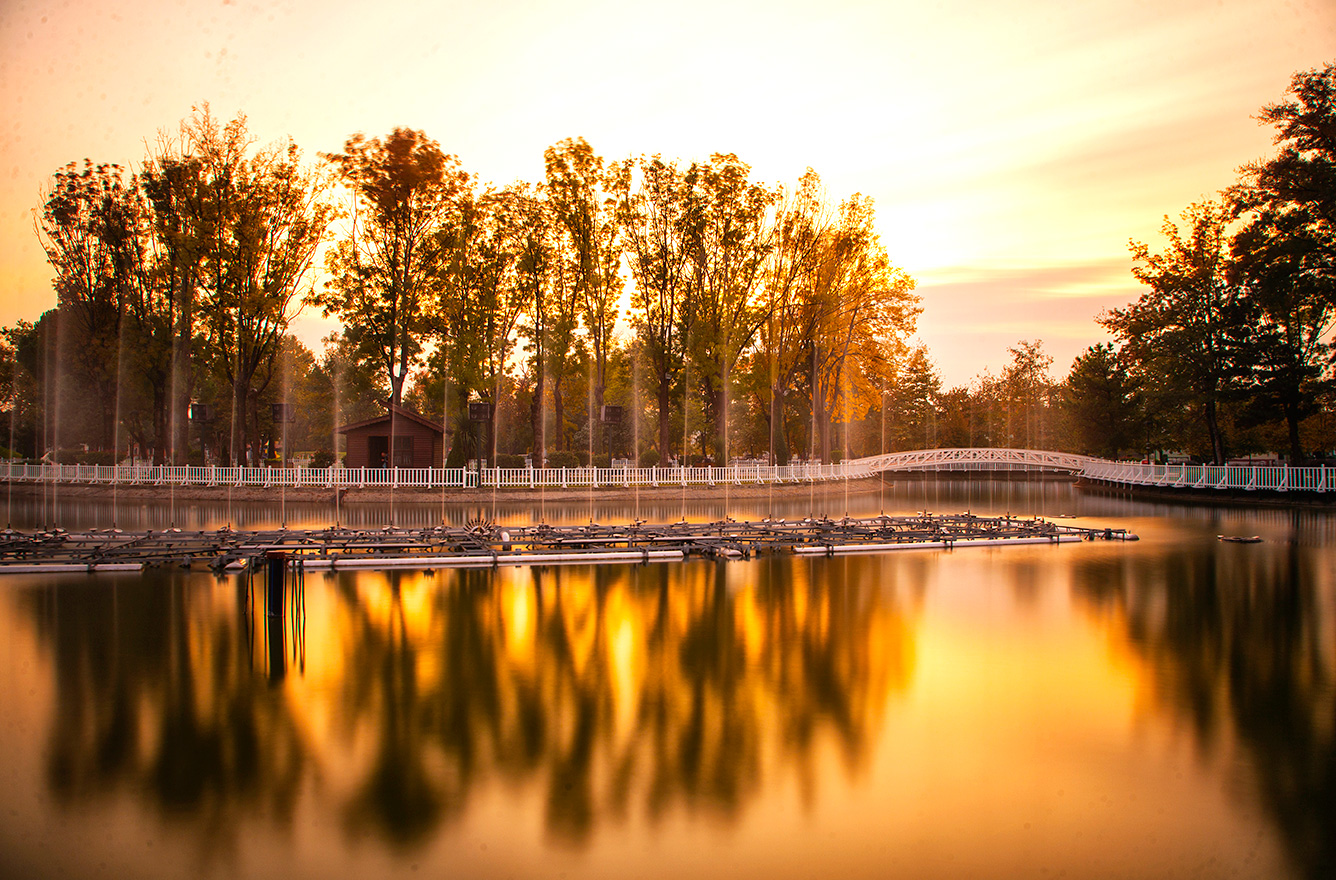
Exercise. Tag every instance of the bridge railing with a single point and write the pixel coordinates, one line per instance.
(1280, 478)
(977, 458)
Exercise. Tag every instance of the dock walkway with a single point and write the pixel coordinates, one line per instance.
(489, 545)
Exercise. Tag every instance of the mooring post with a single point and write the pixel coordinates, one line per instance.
(275, 579)
(277, 569)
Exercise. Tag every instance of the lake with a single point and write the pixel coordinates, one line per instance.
(1162, 708)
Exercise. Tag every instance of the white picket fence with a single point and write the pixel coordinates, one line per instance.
(429, 478)
(1193, 476)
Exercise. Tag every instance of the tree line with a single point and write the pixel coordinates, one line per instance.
(719, 316)
(177, 285)
(1228, 350)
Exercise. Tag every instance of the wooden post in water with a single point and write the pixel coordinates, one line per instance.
(276, 572)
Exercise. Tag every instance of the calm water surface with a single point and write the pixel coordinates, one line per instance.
(1165, 708)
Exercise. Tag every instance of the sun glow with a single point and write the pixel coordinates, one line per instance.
(989, 135)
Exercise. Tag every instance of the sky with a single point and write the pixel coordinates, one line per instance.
(1012, 148)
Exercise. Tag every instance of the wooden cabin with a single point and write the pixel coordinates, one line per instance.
(400, 438)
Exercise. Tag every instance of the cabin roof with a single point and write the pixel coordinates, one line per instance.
(397, 412)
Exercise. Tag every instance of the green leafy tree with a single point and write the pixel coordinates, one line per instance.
(1303, 173)
(1285, 257)
(1181, 335)
(1099, 398)
(1280, 261)
(912, 403)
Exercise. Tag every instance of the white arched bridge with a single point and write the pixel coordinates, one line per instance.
(1179, 476)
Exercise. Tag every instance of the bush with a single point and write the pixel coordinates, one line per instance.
(509, 461)
(458, 456)
(322, 459)
(602, 460)
(562, 459)
(649, 458)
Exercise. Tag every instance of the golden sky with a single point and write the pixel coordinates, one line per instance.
(1012, 148)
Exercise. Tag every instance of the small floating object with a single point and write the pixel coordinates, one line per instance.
(1239, 539)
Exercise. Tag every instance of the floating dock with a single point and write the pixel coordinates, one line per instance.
(484, 545)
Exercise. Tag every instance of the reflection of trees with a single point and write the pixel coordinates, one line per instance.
(155, 695)
(1242, 642)
(618, 689)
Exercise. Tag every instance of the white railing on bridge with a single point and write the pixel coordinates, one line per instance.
(1210, 476)
(429, 478)
(978, 458)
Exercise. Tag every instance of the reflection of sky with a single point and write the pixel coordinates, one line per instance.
(1103, 709)
(1012, 149)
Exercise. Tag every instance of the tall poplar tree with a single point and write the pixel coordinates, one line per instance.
(586, 193)
(657, 234)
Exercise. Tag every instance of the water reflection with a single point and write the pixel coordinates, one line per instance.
(629, 692)
(155, 698)
(909, 705)
(1240, 645)
(620, 690)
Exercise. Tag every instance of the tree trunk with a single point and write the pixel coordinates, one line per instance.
(779, 447)
(181, 372)
(665, 407)
(1297, 456)
(537, 422)
(237, 438)
(1213, 429)
(559, 415)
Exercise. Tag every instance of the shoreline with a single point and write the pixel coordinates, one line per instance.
(695, 492)
(1214, 497)
(378, 495)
